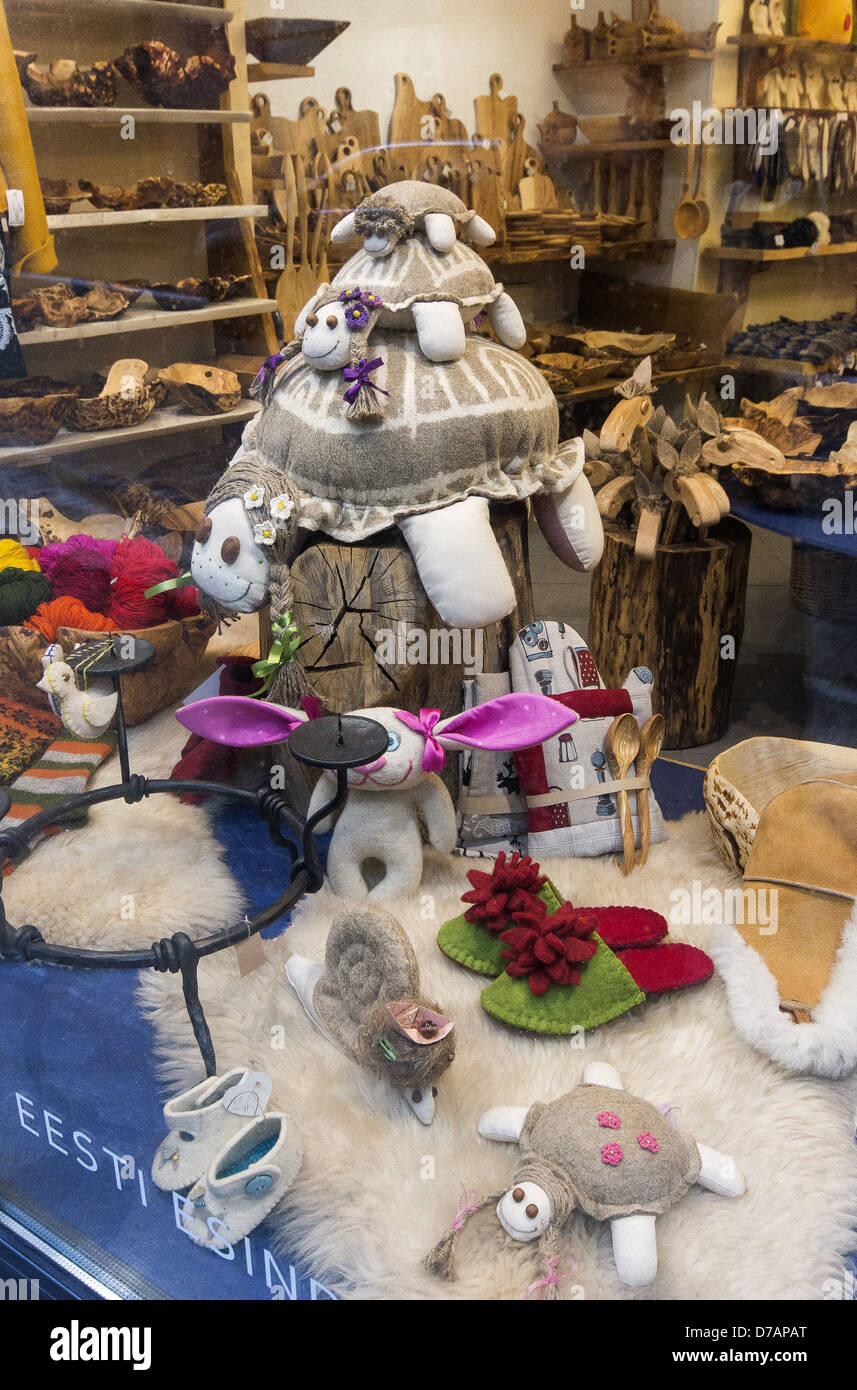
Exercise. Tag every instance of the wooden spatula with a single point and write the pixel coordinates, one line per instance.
(306, 275)
(289, 300)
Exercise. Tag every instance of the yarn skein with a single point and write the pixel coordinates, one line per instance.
(54, 550)
(85, 575)
(14, 556)
(49, 617)
(21, 592)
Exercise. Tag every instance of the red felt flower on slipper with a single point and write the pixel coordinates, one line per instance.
(549, 950)
(511, 887)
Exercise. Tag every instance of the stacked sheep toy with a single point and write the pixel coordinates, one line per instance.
(386, 411)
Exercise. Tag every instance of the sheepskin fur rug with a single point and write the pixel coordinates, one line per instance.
(377, 1189)
(132, 874)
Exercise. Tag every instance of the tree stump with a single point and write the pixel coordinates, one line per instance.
(676, 615)
(371, 637)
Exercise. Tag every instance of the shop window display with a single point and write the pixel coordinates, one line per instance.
(427, 552)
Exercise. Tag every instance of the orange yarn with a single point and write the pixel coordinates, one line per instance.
(67, 612)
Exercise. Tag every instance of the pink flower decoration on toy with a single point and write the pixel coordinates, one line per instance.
(612, 1154)
(608, 1120)
(648, 1141)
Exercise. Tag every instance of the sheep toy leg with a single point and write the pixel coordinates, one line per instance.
(719, 1173)
(397, 846)
(570, 520)
(460, 564)
(505, 318)
(440, 330)
(635, 1249)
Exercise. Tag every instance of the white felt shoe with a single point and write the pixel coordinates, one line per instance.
(198, 1127)
(249, 1177)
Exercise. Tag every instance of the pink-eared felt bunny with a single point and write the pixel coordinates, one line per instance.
(380, 818)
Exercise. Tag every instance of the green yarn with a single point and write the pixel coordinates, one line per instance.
(21, 592)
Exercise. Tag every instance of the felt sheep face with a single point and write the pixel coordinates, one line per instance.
(228, 561)
(524, 1211)
(326, 343)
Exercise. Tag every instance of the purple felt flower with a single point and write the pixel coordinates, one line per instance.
(356, 315)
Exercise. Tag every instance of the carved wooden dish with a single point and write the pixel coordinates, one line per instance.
(203, 390)
(32, 419)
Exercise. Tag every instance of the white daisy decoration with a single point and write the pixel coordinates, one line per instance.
(253, 498)
(265, 533)
(282, 507)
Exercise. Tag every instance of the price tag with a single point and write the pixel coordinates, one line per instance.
(15, 207)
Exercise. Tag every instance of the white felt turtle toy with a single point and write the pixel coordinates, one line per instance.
(600, 1150)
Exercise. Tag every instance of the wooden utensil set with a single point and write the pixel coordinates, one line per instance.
(627, 746)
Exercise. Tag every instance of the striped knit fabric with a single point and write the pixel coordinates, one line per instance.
(25, 733)
(63, 771)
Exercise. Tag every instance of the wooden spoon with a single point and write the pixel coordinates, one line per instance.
(621, 746)
(651, 743)
(701, 205)
(687, 219)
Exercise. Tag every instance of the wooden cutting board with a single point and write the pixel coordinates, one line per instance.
(486, 196)
(288, 297)
(412, 123)
(496, 116)
(364, 126)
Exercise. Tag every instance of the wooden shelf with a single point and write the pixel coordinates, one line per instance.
(777, 366)
(607, 388)
(196, 14)
(108, 217)
(760, 255)
(646, 58)
(788, 41)
(599, 147)
(169, 420)
(137, 320)
(608, 251)
(148, 115)
(276, 72)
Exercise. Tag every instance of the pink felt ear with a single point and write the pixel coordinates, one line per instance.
(510, 721)
(238, 721)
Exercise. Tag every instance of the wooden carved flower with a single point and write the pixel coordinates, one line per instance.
(549, 950)
(511, 887)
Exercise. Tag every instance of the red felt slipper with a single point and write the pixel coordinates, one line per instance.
(620, 927)
(660, 969)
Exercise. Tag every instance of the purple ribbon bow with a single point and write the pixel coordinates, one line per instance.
(433, 757)
(360, 376)
(270, 365)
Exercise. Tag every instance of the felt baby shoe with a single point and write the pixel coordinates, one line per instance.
(198, 1127)
(249, 1177)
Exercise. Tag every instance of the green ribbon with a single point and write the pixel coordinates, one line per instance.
(386, 1048)
(287, 639)
(178, 583)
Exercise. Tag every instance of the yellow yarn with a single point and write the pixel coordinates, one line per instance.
(14, 556)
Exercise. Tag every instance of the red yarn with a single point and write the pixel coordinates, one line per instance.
(67, 612)
(184, 602)
(129, 608)
(134, 552)
(85, 575)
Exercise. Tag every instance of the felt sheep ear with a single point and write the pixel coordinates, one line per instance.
(509, 722)
(440, 230)
(479, 231)
(240, 722)
(344, 230)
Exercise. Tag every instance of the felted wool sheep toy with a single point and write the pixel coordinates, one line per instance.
(380, 818)
(366, 1000)
(369, 435)
(428, 280)
(604, 1152)
(85, 706)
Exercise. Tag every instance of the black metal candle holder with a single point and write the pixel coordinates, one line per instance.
(335, 743)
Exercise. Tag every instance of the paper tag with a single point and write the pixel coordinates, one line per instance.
(779, 239)
(250, 1096)
(15, 207)
(251, 954)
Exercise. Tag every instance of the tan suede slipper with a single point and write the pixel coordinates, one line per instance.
(789, 956)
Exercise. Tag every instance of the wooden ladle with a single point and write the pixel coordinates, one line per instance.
(651, 743)
(687, 218)
(621, 746)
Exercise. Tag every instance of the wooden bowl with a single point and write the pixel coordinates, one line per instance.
(203, 390)
(295, 41)
(742, 780)
(32, 419)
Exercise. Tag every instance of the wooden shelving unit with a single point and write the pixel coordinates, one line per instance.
(145, 115)
(108, 217)
(162, 422)
(276, 72)
(787, 41)
(753, 255)
(646, 58)
(136, 320)
(166, 9)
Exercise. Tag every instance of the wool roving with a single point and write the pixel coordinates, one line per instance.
(21, 592)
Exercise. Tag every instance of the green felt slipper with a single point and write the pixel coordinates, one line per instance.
(471, 945)
(606, 990)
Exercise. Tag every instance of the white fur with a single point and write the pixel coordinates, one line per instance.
(825, 1047)
(364, 1213)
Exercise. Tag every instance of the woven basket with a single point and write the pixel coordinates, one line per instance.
(824, 582)
(742, 780)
